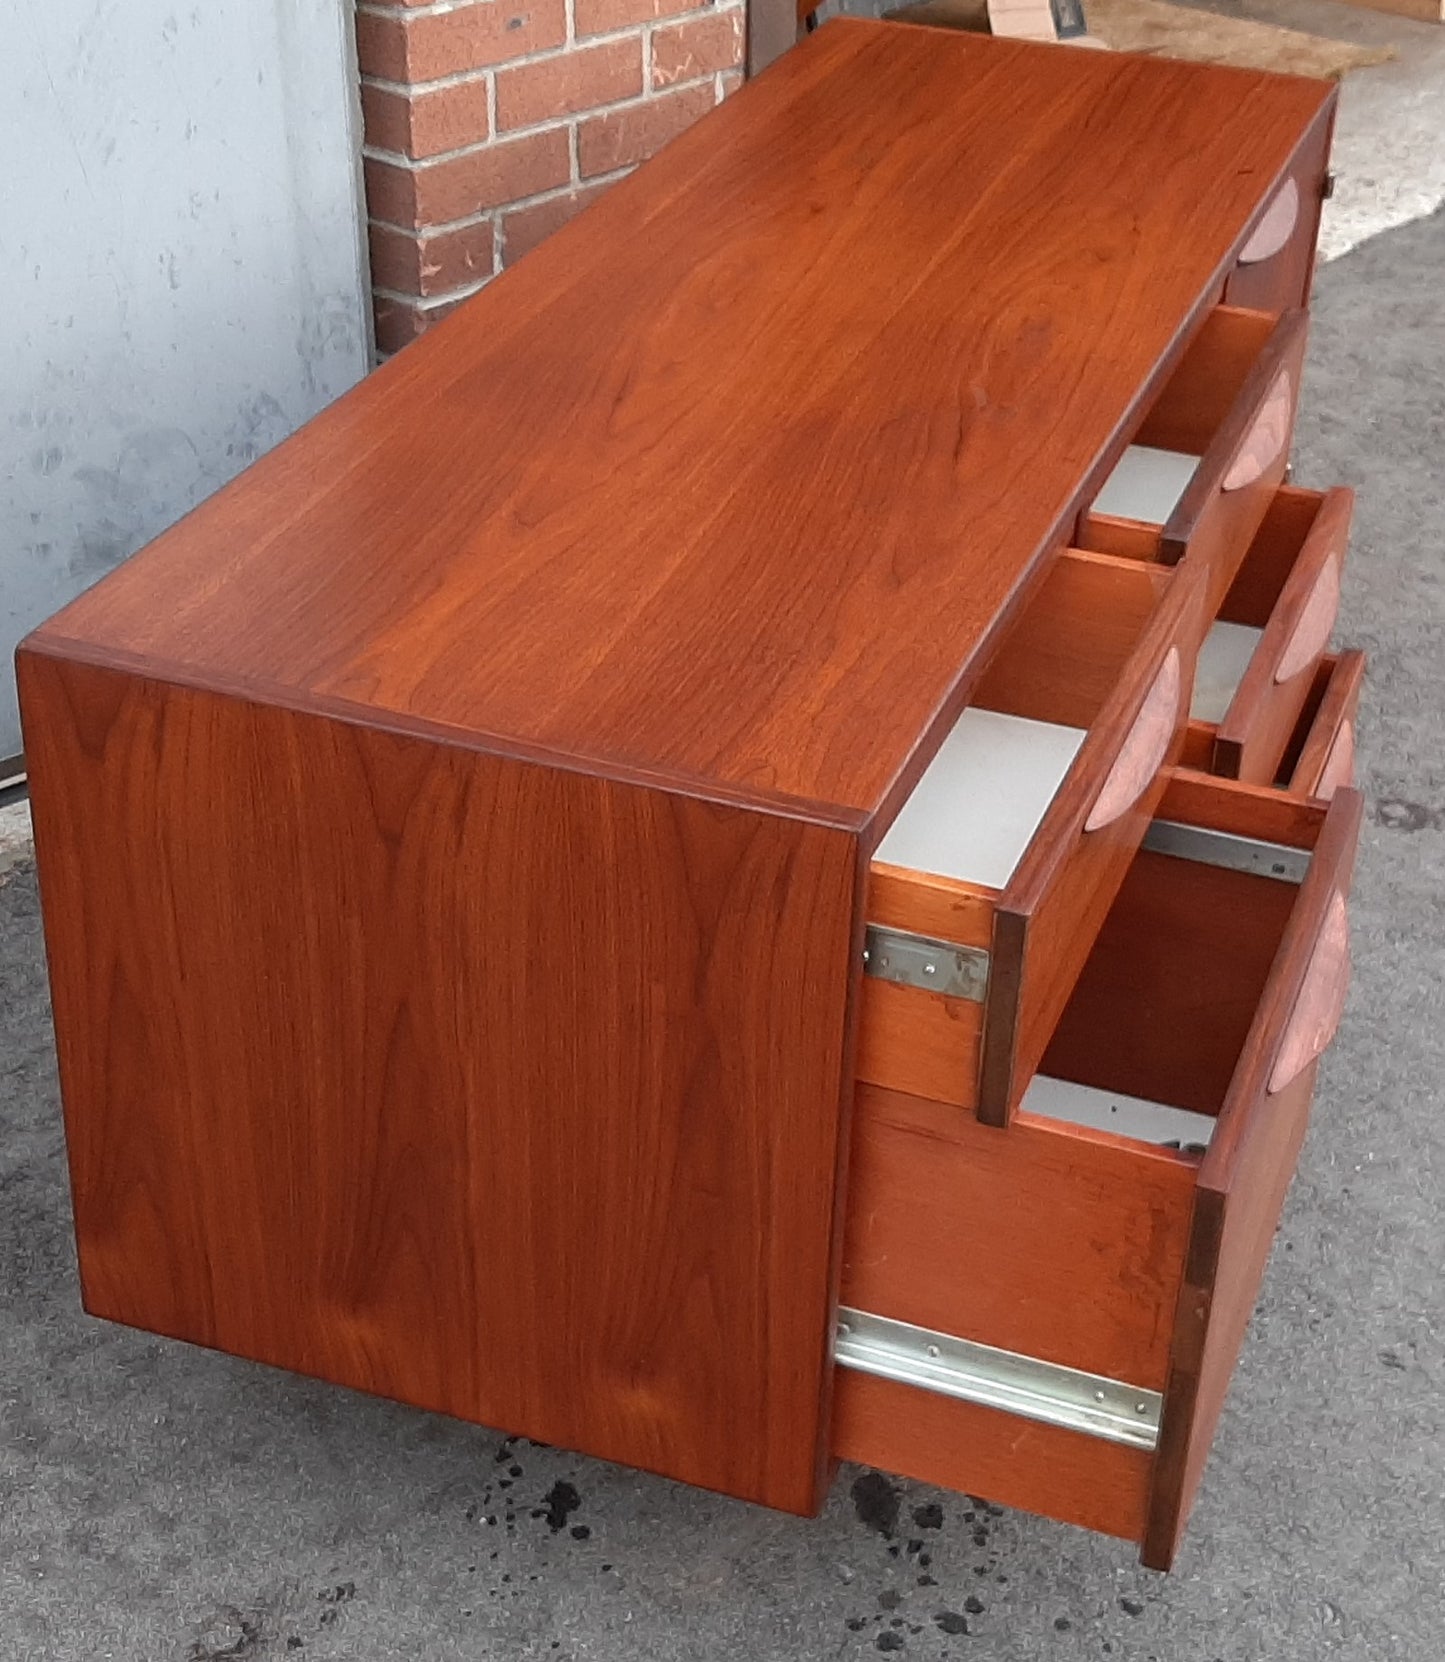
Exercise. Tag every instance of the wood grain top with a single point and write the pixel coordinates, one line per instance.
(734, 481)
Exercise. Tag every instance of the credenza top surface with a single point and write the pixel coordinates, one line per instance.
(734, 480)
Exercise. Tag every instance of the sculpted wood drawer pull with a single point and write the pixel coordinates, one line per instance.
(1143, 750)
(1321, 999)
(1316, 620)
(1276, 228)
(1339, 768)
(1268, 436)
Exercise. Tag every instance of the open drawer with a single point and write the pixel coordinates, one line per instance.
(1321, 755)
(1050, 1315)
(1208, 457)
(1257, 663)
(989, 886)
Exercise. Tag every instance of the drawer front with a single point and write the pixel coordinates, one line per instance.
(1050, 914)
(1227, 412)
(1289, 588)
(1244, 1175)
(1324, 753)
(1050, 1315)
(964, 984)
(1276, 263)
(1230, 493)
(980, 1450)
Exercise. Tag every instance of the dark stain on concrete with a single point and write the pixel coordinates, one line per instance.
(558, 1504)
(876, 1501)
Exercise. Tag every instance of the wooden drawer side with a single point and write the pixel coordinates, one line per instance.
(1242, 1184)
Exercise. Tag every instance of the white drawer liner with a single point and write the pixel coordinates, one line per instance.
(1146, 485)
(982, 798)
(1223, 658)
(1126, 1116)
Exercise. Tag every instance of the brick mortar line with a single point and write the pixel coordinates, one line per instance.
(435, 8)
(430, 302)
(418, 89)
(648, 95)
(535, 201)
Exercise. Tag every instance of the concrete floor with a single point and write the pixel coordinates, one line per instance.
(160, 1502)
(1389, 155)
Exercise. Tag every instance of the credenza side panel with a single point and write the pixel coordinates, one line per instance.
(505, 1090)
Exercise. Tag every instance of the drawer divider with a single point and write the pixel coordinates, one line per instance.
(1027, 1386)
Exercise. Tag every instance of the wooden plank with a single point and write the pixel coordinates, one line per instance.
(1271, 556)
(981, 1451)
(1130, 539)
(1084, 1234)
(1064, 657)
(1325, 756)
(913, 1040)
(1242, 1184)
(1063, 661)
(923, 903)
(611, 511)
(1185, 951)
(1215, 524)
(1055, 904)
(1261, 718)
(511, 1092)
(1203, 394)
(1276, 284)
(1242, 809)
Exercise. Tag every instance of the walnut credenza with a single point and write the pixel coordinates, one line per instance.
(741, 857)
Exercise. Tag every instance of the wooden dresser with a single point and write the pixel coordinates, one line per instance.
(740, 858)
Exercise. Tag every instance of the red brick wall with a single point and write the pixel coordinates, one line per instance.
(489, 123)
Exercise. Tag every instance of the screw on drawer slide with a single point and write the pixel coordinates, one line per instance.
(936, 966)
(1223, 848)
(1022, 1385)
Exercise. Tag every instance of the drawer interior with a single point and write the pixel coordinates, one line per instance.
(1150, 478)
(1012, 1302)
(1319, 757)
(1256, 663)
(1163, 1007)
(982, 799)
(1001, 862)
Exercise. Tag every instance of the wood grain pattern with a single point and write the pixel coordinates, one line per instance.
(1288, 587)
(1220, 510)
(1185, 952)
(1056, 902)
(1282, 280)
(1321, 758)
(1242, 809)
(1083, 1234)
(507, 1091)
(910, 1039)
(1129, 539)
(1064, 655)
(982, 1451)
(1242, 1184)
(672, 498)
(924, 903)
(1237, 379)
(1206, 394)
